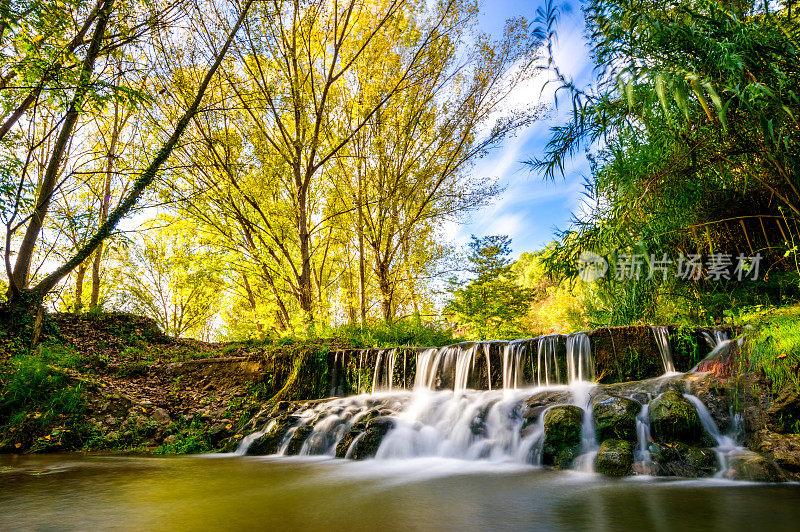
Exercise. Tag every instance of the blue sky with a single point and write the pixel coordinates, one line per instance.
(531, 209)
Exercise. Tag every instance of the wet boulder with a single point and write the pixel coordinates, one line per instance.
(354, 432)
(674, 419)
(614, 458)
(562, 435)
(270, 441)
(747, 465)
(615, 418)
(681, 460)
(347, 440)
(784, 412)
(299, 437)
(783, 449)
(366, 445)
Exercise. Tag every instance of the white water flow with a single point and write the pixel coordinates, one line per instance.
(471, 425)
(643, 438)
(427, 367)
(582, 394)
(726, 445)
(465, 360)
(580, 366)
(361, 355)
(513, 355)
(661, 334)
(718, 337)
(547, 370)
(384, 370)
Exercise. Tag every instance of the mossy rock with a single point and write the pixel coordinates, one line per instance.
(614, 458)
(615, 418)
(747, 465)
(783, 449)
(674, 419)
(367, 445)
(299, 437)
(270, 441)
(562, 436)
(681, 460)
(355, 430)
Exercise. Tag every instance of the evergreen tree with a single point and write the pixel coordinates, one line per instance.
(493, 302)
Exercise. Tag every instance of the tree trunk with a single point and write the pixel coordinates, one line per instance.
(80, 274)
(36, 295)
(104, 207)
(305, 284)
(19, 280)
(362, 288)
(385, 285)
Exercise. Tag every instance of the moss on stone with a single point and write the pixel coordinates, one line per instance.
(615, 418)
(562, 436)
(614, 458)
(299, 437)
(270, 441)
(674, 419)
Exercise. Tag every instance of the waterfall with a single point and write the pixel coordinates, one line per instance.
(468, 425)
(377, 371)
(465, 359)
(582, 394)
(382, 379)
(580, 366)
(719, 337)
(643, 438)
(726, 444)
(513, 353)
(360, 364)
(661, 334)
(427, 367)
(547, 370)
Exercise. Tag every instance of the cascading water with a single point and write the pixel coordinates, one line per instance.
(580, 366)
(513, 356)
(382, 378)
(582, 394)
(547, 367)
(427, 367)
(726, 444)
(642, 454)
(661, 334)
(443, 415)
(465, 359)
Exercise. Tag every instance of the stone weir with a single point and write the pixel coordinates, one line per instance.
(700, 423)
(606, 355)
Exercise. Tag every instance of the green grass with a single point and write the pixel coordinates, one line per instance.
(774, 343)
(39, 405)
(408, 332)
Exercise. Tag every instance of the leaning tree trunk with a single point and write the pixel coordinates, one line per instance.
(30, 299)
(19, 278)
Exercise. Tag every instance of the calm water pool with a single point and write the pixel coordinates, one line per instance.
(66, 492)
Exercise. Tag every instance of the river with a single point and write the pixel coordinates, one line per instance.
(214, 492)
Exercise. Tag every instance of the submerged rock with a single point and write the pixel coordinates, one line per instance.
(366, 445)
(615, 418)
(681, 460)
(674, 419)
(747, 465)
(783, 449)
(562, 435)
(270, 441)
(354, 432)
(615, 458)
(298, 438)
